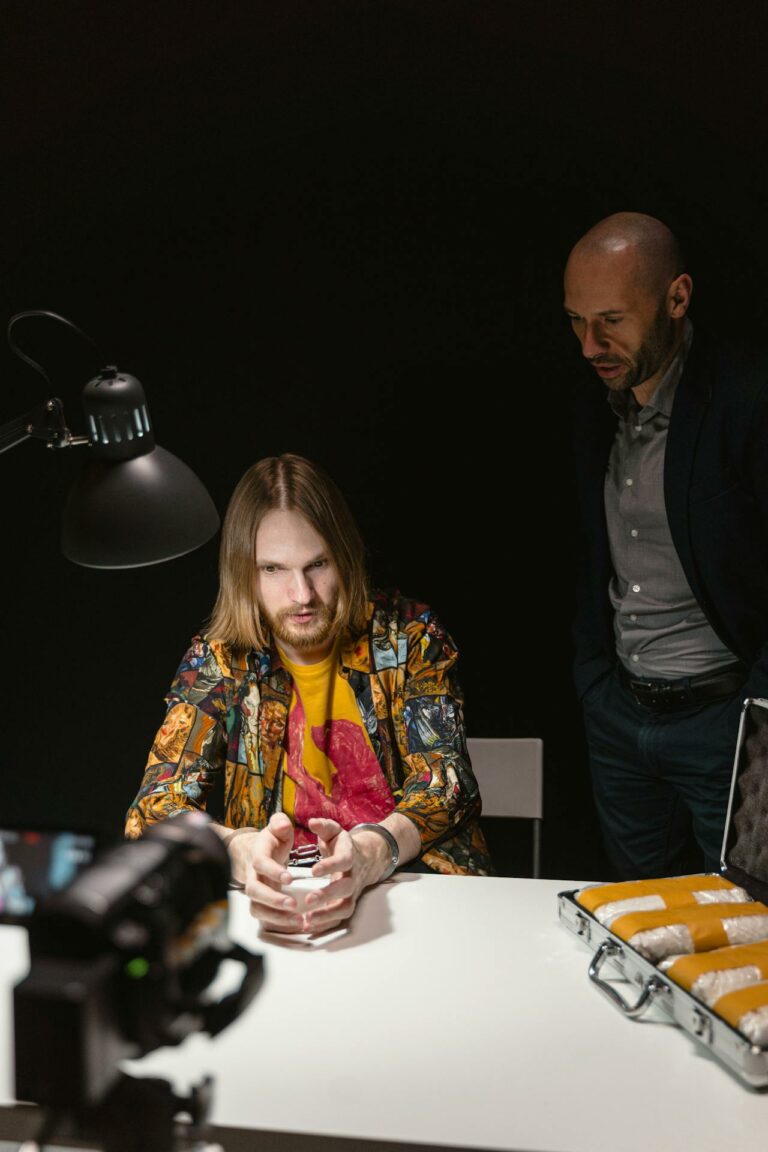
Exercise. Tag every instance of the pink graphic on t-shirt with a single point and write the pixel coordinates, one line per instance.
(359, 790)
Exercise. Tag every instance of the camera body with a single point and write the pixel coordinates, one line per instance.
(121, 960)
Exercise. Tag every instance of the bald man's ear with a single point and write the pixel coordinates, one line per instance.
(679, 296)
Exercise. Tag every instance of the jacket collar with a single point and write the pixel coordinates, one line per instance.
(354, 656)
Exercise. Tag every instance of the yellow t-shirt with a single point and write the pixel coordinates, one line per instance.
(329, 766)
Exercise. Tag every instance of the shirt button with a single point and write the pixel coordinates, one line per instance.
(628, 482)
(638, 427)
(635, 658)
(633, 616)
(635, 587)
(633, 532)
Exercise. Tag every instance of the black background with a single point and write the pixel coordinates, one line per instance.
(338, 228)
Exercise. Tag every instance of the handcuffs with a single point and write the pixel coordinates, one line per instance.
(308, 854)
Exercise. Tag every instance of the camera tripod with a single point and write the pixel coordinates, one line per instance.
(138, 1115)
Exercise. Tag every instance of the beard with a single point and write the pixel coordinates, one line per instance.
(649, 358)
(321, 629)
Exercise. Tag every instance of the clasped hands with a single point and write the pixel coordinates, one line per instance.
(259, 862)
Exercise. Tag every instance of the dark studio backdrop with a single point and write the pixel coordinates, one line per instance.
(338, 228)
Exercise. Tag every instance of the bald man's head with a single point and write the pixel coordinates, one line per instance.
(626, 295)
(653, 252)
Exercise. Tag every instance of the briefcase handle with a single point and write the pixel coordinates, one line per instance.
(651, 989)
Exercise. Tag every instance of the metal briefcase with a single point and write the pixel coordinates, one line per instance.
(697, 946)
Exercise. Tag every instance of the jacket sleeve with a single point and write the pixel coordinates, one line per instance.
(189, 749)
(723, 538)
(440, 792)
(755, 469)
(591, 660)
(592, 629)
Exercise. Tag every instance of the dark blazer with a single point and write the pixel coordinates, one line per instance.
(716, 493)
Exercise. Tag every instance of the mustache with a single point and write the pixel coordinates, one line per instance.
(319, 610)
(605, 361)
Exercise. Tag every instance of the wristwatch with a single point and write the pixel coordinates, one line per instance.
(394, 851)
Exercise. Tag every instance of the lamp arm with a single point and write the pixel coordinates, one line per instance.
(45, 422)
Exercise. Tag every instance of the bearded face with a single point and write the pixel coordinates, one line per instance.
(297, 585)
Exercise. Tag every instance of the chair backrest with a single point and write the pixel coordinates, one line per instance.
(510, 773)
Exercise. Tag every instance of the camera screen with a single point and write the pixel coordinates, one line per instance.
(34, 864)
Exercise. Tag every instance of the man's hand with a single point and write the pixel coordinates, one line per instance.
(259, 862)
(352, 863)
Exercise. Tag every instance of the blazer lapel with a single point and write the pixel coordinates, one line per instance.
(690, 403)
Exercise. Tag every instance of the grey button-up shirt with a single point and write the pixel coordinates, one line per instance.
(661, 632)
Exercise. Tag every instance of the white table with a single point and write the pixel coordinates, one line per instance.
(455, 1011)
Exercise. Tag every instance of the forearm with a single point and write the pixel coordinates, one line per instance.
(226, 834)
(407, 835)
(440, 795)
(189, 749)
(150, 808)
(375, 850)
(238, 842)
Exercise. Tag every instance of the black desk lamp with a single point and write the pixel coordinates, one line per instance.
(135, 503)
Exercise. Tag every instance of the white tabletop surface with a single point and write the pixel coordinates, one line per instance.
(453, 1011)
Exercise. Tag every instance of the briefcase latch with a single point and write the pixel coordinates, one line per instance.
(583, 926)
(702, 1026)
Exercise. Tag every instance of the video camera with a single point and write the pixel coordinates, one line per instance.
(122, 958)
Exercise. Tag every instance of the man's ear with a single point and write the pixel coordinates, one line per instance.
(679, 296)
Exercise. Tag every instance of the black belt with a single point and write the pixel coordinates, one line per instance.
(687, 692)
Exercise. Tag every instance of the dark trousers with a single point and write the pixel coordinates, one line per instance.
(657, 776)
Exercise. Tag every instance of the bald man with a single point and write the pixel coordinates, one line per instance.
(671, 633)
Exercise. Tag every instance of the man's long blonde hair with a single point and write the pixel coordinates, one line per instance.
(290, 483)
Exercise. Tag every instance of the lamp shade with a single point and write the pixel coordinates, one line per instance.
(129, 513)
(135, 503)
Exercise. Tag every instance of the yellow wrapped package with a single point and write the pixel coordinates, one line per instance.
(692, 928)
(746, 1009)
(608, 901)
(710, 975)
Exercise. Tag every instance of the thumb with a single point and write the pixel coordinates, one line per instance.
(326, 830)
(281, 828)
(324, 827)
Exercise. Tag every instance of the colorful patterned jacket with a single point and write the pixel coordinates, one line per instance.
(228, 709)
